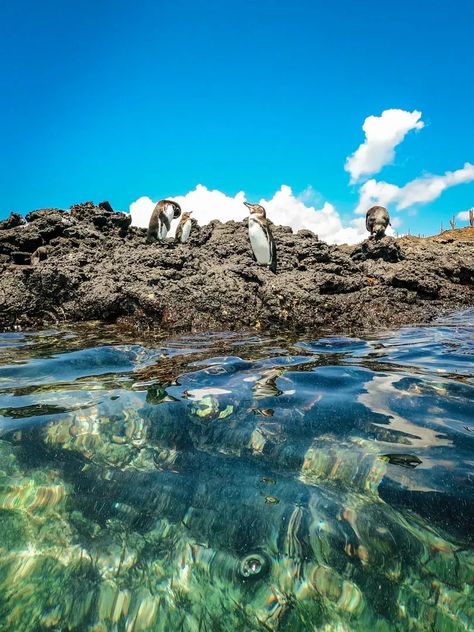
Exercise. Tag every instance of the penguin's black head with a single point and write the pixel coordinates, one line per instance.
(255, 209)
(177, 209)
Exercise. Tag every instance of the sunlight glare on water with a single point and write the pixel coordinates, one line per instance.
(237, 481)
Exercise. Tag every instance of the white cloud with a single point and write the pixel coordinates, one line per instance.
(207, 205)
(283, 208)
(463, 216)
(419, 191)
(382, 134)
(141, 211)
(428, 188)
(286, 209)
(373, 192)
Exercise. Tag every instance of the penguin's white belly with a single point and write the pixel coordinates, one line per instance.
(169, 212)
(259, 242)
(162, 231)
(186, 231)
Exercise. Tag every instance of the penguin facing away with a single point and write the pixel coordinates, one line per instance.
(261, 238)
(184, 228)
(376, 221)
(165, 211)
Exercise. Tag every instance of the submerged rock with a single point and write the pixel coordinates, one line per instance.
(99, 267)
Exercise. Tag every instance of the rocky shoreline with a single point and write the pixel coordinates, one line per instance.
(90, 264)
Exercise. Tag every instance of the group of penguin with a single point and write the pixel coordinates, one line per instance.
(260, 235)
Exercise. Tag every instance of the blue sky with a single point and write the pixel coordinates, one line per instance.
(117, 100)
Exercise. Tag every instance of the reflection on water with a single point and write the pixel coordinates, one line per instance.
(237, 482)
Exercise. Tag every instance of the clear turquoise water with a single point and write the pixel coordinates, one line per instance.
(237, 481)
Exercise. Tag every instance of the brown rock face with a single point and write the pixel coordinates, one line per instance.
(90, 264)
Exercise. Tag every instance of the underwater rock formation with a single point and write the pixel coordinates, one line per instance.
(89, 263)
(108, 537)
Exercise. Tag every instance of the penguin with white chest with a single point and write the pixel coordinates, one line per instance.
(160, 222)
(184, 228)
(261, 238)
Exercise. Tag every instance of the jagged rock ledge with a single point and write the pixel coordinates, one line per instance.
(89, 264)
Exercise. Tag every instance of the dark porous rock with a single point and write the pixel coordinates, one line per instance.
(22, 238)
(83, 210)
(21, 258)
(307, 234)
(51, 214)
(106, 206)
(50, 222)
(89, 263)
(414, 278)
(385, 248)
(12, 221)
(103, 218)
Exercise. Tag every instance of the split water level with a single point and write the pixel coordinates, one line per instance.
(237, 482)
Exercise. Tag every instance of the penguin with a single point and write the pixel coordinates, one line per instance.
(261, 238)
(184, 228)
(376, 221)
(160, 221)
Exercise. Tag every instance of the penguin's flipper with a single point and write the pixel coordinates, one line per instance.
(273, 251)
(164, 219)
(152, 233)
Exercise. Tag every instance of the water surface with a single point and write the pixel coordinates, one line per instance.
(237, 481)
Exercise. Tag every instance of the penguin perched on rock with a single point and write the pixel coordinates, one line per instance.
(376, 221)
(261, 238)
(165, 211)
(184, 228)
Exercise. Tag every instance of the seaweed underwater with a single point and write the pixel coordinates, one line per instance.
(237, 482)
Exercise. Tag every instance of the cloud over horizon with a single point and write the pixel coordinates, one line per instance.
(464, 215)
(382, 134)
(419, 191)
(283, 208)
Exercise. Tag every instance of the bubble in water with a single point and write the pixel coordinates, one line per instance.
(253, 565)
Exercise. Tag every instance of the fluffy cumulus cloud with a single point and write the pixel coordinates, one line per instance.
(382, 134)
(141, 211)
(283, 208)
(287, 209)
(419, 191)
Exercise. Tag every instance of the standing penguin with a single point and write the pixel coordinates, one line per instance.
(376, 221)
(261, 238)
(184, 228)
(160, 222)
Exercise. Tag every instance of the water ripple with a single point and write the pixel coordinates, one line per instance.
(237, 481)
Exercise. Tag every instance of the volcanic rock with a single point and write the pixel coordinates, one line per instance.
(90, 264)
(13, 220)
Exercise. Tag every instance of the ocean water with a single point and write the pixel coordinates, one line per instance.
(237, 481)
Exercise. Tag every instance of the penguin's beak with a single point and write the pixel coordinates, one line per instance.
(248, 205)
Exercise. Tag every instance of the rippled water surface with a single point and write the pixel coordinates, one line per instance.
(237, 481)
